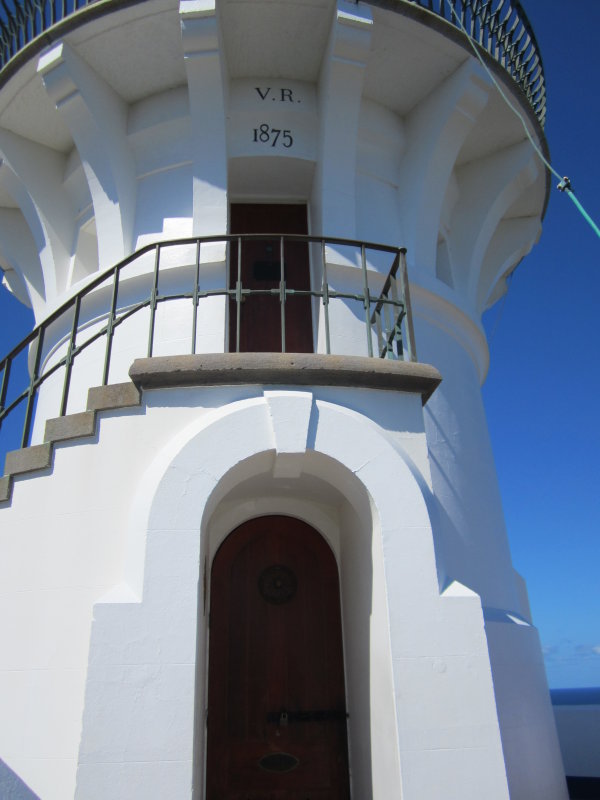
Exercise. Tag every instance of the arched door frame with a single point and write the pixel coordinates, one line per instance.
(190, 487)
(344, 528)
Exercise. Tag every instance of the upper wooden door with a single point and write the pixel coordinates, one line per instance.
(276, 701)
(260, 316)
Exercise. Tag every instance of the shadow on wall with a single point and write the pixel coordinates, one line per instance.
(12, 787)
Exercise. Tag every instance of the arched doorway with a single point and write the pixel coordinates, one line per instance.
(276, 701)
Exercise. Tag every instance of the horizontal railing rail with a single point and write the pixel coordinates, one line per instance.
(74, 328)
(499, 27)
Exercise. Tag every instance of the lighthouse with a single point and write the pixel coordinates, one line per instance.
(252, 543)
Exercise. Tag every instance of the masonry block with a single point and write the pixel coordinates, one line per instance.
(117, 395)
(71, 426)
(28, 459)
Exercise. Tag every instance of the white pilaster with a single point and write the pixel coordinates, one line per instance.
(36, 186)
(207, 87)
(20, 260)
(97, 119)
(511, 242)
(435, 132)
(487, 188)
(340, 94)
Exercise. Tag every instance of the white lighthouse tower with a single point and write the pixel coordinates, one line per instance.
(252, 544)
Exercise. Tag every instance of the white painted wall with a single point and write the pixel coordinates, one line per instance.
(129, 553)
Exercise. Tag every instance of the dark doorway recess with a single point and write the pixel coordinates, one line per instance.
(260, 315)
(276, 700)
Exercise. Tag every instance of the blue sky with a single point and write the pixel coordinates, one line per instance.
(542, 390)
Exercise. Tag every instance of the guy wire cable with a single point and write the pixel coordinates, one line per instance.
(564, 184)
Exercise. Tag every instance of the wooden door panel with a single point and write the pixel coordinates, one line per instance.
(275, 648)
(260, 315)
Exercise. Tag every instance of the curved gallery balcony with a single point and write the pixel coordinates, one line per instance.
(499, 28)
(259, 294)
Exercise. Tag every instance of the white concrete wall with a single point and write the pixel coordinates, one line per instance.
(472, 545)
(531, 750)
(129, 555)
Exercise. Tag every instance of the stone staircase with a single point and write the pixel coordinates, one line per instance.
(38, 457)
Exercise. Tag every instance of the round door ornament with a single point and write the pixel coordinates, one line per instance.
(277, 584)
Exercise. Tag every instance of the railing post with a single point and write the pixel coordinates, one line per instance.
(238, 297)
(69, 357)
(325, 298)
(31, 393)
(195, 298)
(4, 386)
(366, 300)
(282, 292)
(110, 326)
(380, 338)
(410, 331)
(396, 321)
(395, 329)
(153, 301)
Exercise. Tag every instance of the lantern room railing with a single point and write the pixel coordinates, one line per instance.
(499, 27)
(192, 271)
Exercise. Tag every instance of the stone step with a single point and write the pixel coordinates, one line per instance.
(29, 460)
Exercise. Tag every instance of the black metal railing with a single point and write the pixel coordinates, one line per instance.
(22, 21)
(499, 27)
(176, 271)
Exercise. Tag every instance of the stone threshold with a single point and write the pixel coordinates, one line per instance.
(218, 369)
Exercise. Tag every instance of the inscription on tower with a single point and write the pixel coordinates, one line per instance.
(270, 117)
(268, 134)
(282, 94)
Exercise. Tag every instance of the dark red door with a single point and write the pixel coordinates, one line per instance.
(260, 315)
(276, 701)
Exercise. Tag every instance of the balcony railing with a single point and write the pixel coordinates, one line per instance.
(194, 272)
(499, 27)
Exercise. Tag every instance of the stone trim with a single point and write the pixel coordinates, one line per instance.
(5, 488)
(290, 369)
(115, 395)
(71, 426)
(28, 459)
